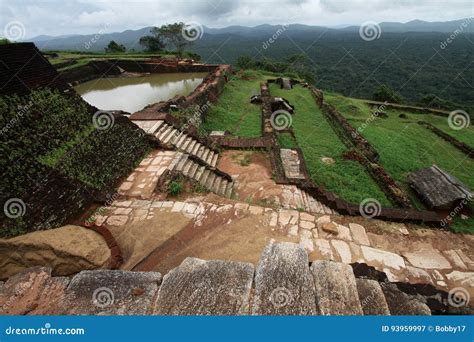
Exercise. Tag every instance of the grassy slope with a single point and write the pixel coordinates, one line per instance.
(405, 146)
(317, 139)
(234, 112)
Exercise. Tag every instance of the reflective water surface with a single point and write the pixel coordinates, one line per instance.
(131, 94)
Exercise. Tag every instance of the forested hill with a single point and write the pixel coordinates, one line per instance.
(414, 64)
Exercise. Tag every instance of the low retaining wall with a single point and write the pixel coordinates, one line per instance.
(114, 67)
(453, 141)
(331, 200)
(416, 109)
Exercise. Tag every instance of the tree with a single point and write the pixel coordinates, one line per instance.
(174, 35)
(385, 93)
(115, 47)
(4, 41)
(245, 62)
(152, 43)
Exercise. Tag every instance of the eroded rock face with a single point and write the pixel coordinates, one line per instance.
(66, 250)
(199, 287)
(111, 292)
(283, 282)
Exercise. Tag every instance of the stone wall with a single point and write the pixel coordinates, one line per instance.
(463, 147)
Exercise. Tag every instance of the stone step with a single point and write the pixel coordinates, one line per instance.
(336, 289)
(171, 136)
(178, 156)
(180, 141)
(158, 125)
(210, 180)
(283, 282)
(204, 177)
(205, 154)
(214, 160)
(210, 157)
(189, 163)
(200, 152)
(400, 303)
(216, 186)
(199, 173)
(192, 170)
(162, 129)
(196, 148)
(199, 287)
(182, 162)
(371, 297)
(191, 145)
(185, 144)
(223, 187)
(166, 133)
(228, 191)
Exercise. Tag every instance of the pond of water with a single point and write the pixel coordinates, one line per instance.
(131, 94)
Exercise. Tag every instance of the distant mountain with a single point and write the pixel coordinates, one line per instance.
(130, 38)
(425, 26)
(92, 42)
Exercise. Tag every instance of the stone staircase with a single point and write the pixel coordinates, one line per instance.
(169, 135)
(208, 177)
(296, 198)
(284, 282)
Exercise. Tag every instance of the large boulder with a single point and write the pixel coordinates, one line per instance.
(66, 250)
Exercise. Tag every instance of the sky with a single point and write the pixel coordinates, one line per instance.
(60, 17)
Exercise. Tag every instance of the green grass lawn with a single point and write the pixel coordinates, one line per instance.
(404, 146)
(233, 110)
(317, 139)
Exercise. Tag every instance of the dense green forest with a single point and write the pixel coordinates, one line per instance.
(413, 64)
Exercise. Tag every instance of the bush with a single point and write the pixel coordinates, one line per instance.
(385, 93)
(175, 188)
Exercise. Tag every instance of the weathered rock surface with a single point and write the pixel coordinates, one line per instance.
(283, 282)
(66, 250)
(371, 297)
(199, 287)
(401, 303)
(32, 292)
(336, 289)
(429, 259)
(111, 292)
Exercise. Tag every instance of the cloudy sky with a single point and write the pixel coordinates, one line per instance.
(58, 17)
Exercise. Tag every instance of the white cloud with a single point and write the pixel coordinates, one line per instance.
(57, 17)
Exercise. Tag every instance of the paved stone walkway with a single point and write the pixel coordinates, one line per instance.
(321, 236)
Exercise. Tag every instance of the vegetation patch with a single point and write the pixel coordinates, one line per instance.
(405, 146)
(233, 111)
(315, 136)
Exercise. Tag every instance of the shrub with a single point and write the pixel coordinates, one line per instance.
(175, 188)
